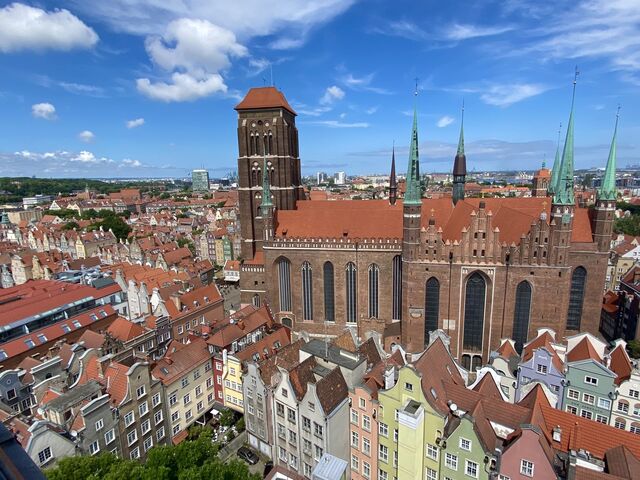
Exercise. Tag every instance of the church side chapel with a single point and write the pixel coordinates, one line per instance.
(480, 269)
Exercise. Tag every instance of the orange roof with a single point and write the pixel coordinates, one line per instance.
(124, 330)
(264, 97)
(542, 341)
(180, 359)
(117, 382)
(506, 350)
(580, 433)
(583, 351)
(543, 173)
(48, 396)
(620, 364)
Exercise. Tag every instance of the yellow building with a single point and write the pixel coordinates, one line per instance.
(232, 382)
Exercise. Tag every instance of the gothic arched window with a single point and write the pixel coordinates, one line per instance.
(474, 312)
(284, 279)
(256, 300)
(374, 273)
(307, 292)
(576, 298)
(351, 291)
(270, 139)
(431, 307)
(521, 314)
(329, 305)
(397, 288)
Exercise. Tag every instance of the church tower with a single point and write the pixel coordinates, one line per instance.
(556, 167)
(393, 182)
(412, 205)
(267, 209)
(541, 180)
(267, 146)
(606, 198)
(563, 204)
(459, 166)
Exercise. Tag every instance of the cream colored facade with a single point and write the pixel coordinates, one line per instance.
(232, 383)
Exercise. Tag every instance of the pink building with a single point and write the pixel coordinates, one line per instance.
(527, 455)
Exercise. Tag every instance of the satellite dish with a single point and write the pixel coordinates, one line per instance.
(73, 433)
(453, 407)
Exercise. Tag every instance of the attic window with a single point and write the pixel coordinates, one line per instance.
(103, 313)
(277, 345)
(66, 328)
(433, 393)
(93, 317)
(42, 338)
(3, 355)
(408, 386)
(76, 324)
(29, 343)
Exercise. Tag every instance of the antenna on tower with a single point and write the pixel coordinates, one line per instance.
(271, 69)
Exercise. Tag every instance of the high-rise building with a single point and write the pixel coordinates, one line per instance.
(341, 178)
(321, 177)
(200, 180)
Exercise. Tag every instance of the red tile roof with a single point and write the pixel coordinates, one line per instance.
(180, 359)
(583, 351)
(264, 97)
(124, 330)
(506, 349)
(545, 340)
(620, 364)
(117, 382)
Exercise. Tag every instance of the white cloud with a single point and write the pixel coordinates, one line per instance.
(444, 121)
(332, 94)
(82, 89)
(464, 32)
(43, 110)
(132, 163)
(338, 124)
(87, 136)
(138, 122)
(183, 87)
(196, 51)
(28, 28)
(505, 95)
(363, 83)
(371, 110)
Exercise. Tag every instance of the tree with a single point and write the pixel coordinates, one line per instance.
(227, 417)
(118, 226)
(71, 225)
(633, 347)
(89, 214)
(190, 460)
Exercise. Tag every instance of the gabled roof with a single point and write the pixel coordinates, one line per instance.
(487, 387)
(506, 349)
(124, 330)
(301, 375)
(180, 359)
(332, 390)
(621, 462)
(620, 364)
(544, 340)
(584, 350)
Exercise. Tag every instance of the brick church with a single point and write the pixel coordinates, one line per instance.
(480, 269)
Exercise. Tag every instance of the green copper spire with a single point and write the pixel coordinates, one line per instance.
(413, 192)
(266, 187)
(556, 166)
(563, 190)
(607, 190)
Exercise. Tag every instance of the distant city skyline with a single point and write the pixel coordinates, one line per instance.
(131, 88)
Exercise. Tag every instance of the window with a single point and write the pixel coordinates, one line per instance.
(143, 408)
(145, 426)
(526, 468)
(160, 433)
(431, 474)
(382, 475)
(175, 416)
(573, 394)
(408, 386)
(620, 423)
(157, 417)
(293, 437)
(635, 428)
(187, 415)
(186, 400)
(432, 451)
(623, 406)
(44, 455)
(198, 390)
(355, 439)
(588, 398)
(362, 403)
(355, 463)
(366, 422)
(148, 443)
(132, 436)
(306, 424)
(451, 461)
(471, 469)
(572, 409)
(175, 429)
(140, 391)
(590, 380)
(109, 436)
(196, 374)
(135, 453)
(282, 431)
(354, 417)
(576, 298)
(42, 337)
(180, 329)
(374, 273)
(431, 307)
(318, 430)
(636, 410)
(94, 448)
(329, 297)
(128, 419)
(541, 369)
(602, 419)
(634, 393)
(366, 470)
(185, 382)
(586, 414)
(366, 446)
(474, 312)
(383, 453)
(99, 425)
(291, 415)
(284, 279)
(396, 306)
(383, 429)
(307, 291)
(351, 292)
(465, 444)
(155, 400)
(318, 453)
(521, 315)
(173, 398)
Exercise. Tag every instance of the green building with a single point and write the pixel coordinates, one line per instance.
(200, 180)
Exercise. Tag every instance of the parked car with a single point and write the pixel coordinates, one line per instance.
(248, 456)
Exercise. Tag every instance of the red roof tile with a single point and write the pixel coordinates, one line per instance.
(620, 364)
(264, 97)
(583, 351)
(124, 330)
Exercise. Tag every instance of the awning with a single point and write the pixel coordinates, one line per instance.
(214, 412)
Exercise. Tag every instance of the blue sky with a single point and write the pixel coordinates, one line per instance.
(147, 87)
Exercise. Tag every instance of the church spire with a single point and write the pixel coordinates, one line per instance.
(556, 166)
(459, 165)
(393, 184)
(563, 193)
(607, 190)
(413, 192)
